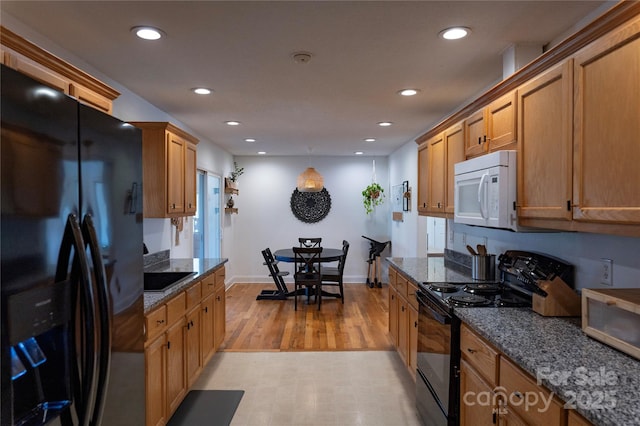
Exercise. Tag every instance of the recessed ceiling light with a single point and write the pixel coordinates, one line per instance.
(232, 123)
(249, 140)
(262, 152)
(385, 123)
(201, 91)
(408, 92)
(358, 153)
(455, 33)
(370, 140)
(147, 33)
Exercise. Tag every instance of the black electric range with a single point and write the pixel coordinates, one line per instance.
(438, 353)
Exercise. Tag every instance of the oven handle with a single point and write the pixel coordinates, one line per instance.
(438, 314)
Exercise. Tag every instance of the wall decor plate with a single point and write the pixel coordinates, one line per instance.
(310, 207)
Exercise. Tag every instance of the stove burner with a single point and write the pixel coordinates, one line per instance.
(483, 288)
(469, 300)
(444, 287)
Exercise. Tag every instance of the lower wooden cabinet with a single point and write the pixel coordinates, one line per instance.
(155, 366)
(183, 334)
(477, 399)
(403, 319)
(492, 386)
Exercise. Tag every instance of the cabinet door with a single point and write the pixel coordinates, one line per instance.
(193, 355)
(155, 365)
(175, 176)
(477, 400)
(403, 329)
(413, 341)
(501, 122)
(607, 129)
(90, 98)
(475, 134)
(39, 72)
(220, 322)
(454, 143)
(423, 178)
(437, 168)
(175, 372)
(545, 145)
(208, 320)
(393, 316)
(190, 178)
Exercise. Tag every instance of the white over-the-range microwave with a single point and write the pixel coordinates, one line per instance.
(485, 191)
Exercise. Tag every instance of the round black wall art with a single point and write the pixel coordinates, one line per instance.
(310, 207)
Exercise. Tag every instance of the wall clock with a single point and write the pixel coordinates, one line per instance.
(310, 207)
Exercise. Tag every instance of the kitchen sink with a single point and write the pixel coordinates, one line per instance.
(159, 281)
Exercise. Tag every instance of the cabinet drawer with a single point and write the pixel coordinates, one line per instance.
(208, 284)
(411, 295)
(522, 391)
(156, 322)
(219, 278)
(401, 286)
(479, 354)
(194, 294)
(176, 308)
(392, 277)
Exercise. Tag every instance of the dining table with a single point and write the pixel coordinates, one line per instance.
(327, 255)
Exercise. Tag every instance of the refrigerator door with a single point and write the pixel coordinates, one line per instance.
(111, 198)
(39, 190)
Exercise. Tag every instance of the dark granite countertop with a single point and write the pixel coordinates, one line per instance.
(600, 382)
(201, 267)
(431, 269)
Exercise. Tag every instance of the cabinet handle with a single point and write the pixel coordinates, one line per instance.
(168, 345)
(173, 206)
(206, 309)
(191, 323)
(159, 322)
(517, 395)
(485, 138)
(402, 308)
(218, 298)
(479, 140)
(471, 351)
(415, 324)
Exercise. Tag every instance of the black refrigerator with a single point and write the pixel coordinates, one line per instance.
(71, 261)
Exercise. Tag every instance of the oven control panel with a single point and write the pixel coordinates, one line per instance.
(527, 268)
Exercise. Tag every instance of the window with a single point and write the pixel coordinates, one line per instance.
(206, 222)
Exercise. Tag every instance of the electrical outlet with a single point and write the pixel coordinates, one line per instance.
(606, 271)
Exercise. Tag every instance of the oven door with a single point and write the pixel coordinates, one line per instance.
(437, 384)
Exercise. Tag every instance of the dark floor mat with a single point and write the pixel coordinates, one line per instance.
(207, 408)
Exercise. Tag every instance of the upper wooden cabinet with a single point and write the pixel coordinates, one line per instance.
(169, 170)
(436, 159)
(423, 178)
(545, 145)
(27, 58)
(492, 128)
(607, 128)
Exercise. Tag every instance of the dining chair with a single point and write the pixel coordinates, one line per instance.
(307, 274)
(310, 242)
(332, 275)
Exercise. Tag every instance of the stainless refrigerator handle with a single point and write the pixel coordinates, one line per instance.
(81, 277)
(104, 318)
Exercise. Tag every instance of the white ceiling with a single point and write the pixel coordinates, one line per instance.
(363, 53)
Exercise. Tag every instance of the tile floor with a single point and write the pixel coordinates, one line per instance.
(315, 388)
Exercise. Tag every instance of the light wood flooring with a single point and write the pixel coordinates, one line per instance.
(273, 325)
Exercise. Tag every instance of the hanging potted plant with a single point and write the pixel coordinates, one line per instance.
(373, 195)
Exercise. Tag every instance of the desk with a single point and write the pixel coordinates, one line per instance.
(327, 255)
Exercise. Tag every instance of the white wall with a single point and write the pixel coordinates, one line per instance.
(265, 219)
(403, 165)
